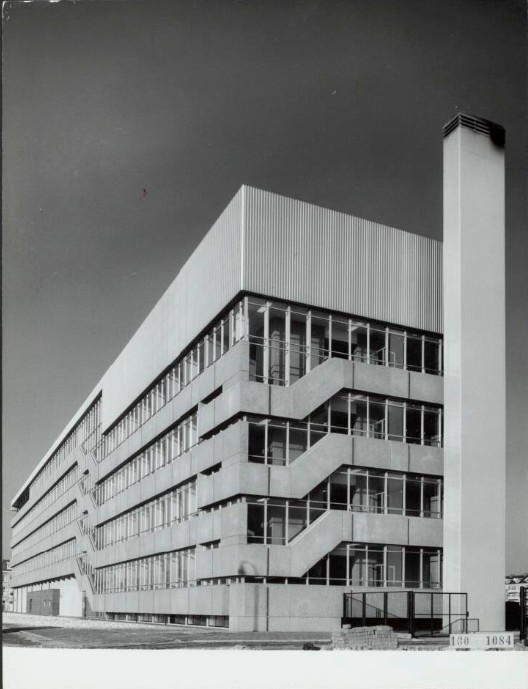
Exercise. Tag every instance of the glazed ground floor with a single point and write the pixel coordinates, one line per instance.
(237, 606)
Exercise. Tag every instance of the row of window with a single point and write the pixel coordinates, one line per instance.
(381, 492)
(194, 620)
(87, 431)
(225, 333)
(169, 570)
(275, 521)
(158, 454)
(289, 341)
(50, 557)
(164, 511)
(359, 564)
(281, 442)
(274, 441)
(373, 416)
(351, 564)
(59, 521)
(55, 492)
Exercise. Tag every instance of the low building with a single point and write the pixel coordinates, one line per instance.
(7, 591)
(514, 582)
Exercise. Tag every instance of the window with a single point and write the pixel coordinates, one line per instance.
(256, 516)
(286, 342)
(373, 565)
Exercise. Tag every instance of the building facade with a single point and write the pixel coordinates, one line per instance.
(270, 437)
(273, 434)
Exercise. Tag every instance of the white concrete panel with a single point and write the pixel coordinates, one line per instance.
(205, 284)
(474, 389)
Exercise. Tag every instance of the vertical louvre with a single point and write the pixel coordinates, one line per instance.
(300, 252)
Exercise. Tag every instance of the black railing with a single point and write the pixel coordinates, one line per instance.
(416, 612)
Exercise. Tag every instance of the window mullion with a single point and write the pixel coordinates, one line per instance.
(266, 345)
(308, 352)
(287, 346)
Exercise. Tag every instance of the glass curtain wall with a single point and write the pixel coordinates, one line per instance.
(286, 343)
(361, 564)
(289, 341)
(274, 441)
(381, 492)
(373, 416)
(275, 521)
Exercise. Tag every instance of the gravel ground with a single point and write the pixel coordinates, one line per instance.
(62, 632)
(25, 630)
(70, 622)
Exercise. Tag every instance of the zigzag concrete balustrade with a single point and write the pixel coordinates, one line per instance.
(57, 506)
(315, 388)
(231, 443)
(238, 476)
(228, 370)
(85, 463)
(64, 568)
(312, 544)
(66, 533)
(75, 457)
(228, 524)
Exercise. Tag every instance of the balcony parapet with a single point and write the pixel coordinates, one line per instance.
(313, 543)
(334, 450)
(316, 387)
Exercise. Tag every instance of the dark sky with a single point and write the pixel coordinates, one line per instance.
(336, 103)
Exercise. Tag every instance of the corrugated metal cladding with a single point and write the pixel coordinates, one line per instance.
(299, 252)
(204, 285)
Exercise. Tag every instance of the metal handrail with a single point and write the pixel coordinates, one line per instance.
(368, 611)
(464, 618)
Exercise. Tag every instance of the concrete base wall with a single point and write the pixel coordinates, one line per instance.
(291, 608)
(250, 607)
(70, 600)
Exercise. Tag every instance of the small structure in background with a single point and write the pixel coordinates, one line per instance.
(7, 591)
(514, 582)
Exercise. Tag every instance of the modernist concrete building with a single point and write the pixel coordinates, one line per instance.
(269, 438)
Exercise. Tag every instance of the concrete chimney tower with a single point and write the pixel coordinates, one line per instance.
(474, 387)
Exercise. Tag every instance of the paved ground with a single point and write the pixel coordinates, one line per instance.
(62, 632)
(52, 632)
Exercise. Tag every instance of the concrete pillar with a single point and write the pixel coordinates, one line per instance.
(474, 393)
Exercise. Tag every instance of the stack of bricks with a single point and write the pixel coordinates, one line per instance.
(380, 638)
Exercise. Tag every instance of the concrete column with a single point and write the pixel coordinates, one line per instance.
(474, 393)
